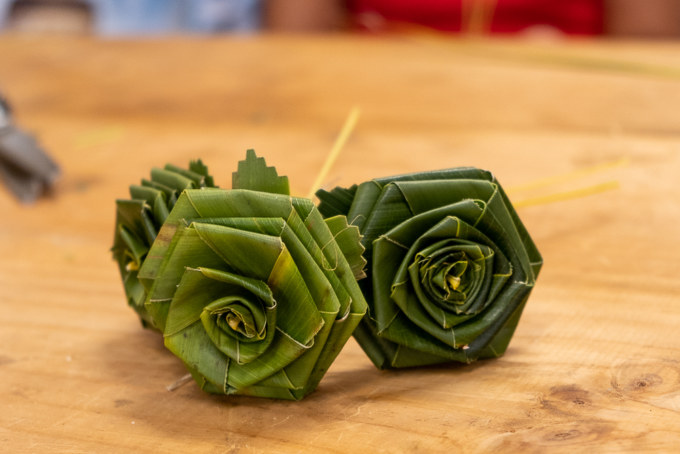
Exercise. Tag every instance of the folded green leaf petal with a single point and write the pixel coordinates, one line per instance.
(254, 174)
(349, 239)
(201, 169)
(138, 221)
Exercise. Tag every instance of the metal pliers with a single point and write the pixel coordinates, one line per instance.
(26, 170)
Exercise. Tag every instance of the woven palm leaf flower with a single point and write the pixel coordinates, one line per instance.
(253, 289)
(450, 265)
(139, 218)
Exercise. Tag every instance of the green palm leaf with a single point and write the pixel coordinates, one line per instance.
(450, 265)
(139, 219)
(254, 174)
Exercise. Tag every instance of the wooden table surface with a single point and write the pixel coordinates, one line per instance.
(595, 362)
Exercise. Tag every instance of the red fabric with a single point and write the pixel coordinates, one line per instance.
(581, 17)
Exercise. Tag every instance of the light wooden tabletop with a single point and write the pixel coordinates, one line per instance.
(595, 362)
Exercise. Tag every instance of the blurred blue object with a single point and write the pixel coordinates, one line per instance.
(218, 15)
(157, 17)
(4, 12)
(136, 17)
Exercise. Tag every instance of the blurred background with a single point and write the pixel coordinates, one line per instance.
(122, 76)
(649, 18)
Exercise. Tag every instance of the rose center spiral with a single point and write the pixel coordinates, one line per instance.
(448, 276)
(239, 317)
(452, 275)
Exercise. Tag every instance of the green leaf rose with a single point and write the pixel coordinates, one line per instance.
(450, 265)
(252, 288)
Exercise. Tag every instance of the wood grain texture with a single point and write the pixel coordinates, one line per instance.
(595, 362)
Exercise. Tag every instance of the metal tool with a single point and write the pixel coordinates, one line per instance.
(25, 168)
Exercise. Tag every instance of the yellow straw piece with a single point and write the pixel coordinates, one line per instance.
(576, 174)
(183, 380)
(477, 16)
(567, 195)
(340, 141)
